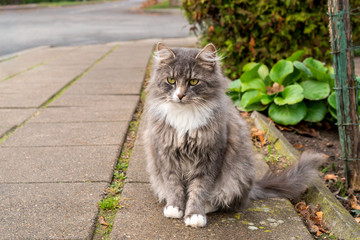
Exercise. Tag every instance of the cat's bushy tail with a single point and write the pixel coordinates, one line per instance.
(291, 182)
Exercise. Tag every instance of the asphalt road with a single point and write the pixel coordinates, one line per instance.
(85, 24)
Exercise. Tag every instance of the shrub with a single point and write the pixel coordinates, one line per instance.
(263, 31)
(291, 90)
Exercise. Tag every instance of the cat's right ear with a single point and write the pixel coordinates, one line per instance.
(163, 53)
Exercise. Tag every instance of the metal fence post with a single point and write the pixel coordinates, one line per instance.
(346, 89)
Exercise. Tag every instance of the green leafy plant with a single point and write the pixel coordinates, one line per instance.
(292, 90)
(111, 202)
(264, 31)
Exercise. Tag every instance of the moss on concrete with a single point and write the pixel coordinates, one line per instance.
(338, 219)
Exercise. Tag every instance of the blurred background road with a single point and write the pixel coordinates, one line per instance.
(85, 24)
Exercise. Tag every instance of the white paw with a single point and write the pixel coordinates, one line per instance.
(173, 212)
(195, 220)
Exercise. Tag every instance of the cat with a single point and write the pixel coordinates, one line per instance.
(199, 154)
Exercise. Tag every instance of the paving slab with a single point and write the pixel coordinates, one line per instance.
(102, 88)
(26, 100)
(27, 60)
(57, 164)
(136, 56)
(44, 88)
(81, 56)
(104, 74)
(10, 118)
(136, 172)
(49, 210)
(48, 74)
(142, 218)
(86, 114)
(68, 134)
(108, 101)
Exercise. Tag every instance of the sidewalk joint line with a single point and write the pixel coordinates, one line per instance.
(55, 182)
(8, 133)
(90, 145)
(18, 73)
(114, 190)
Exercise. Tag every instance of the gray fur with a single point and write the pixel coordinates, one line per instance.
(214, 163)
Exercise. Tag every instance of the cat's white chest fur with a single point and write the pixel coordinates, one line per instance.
(185, 117)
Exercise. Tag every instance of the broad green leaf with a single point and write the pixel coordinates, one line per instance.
(300, 66)
(333, 112)
(296, 56)
(256, 107)
(292, 94)
(280, 70)
(332, 100)
(263, 71)
(315, 64)
(250, 97)
(287, 114)
(251, 74)
(235, 86)
(267, 99)
(247, 67)
(317, 69)
(268, 81)
(256, 83)
(292, 78)
(234, 96)
(315, 90)
(316, 111)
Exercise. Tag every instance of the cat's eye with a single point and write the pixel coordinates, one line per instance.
(193, 82)
(171, 80)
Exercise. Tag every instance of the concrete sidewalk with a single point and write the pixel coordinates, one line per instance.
(64, 113)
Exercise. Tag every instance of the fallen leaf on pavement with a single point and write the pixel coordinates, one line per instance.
(357, 219)
(298, 146)
(319, 214)
(330, 177)
(102, 221)
(353, 202)
(258, 134)
(312, 217)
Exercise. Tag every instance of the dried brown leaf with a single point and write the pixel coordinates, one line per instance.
(211, 28)
(354, 204)
(304, 129)
(357, 219)
(102, 221)
(330, 177)
(319, 214)
(298, 146)
(276, 88)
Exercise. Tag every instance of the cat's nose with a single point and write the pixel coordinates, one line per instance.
(180, 95)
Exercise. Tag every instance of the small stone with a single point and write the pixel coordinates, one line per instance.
(330, 144)
(271, 220)
(252, 228)
(274, 224)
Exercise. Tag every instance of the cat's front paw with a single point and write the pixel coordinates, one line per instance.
(195, 220)
(173, 212)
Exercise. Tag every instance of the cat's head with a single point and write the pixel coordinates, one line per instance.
(187, 75)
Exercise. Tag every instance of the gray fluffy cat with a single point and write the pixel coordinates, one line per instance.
(199, 152)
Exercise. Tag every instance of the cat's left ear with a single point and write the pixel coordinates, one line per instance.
(208, 56)
(163, 53)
